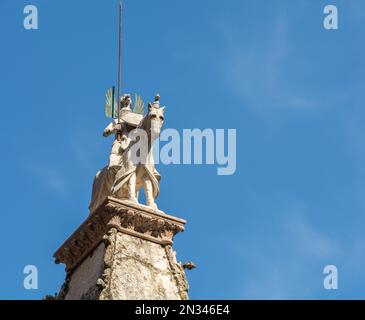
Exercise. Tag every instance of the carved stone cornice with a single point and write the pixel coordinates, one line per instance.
(132, 219)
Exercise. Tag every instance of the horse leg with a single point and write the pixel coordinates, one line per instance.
(132, 188)
(150, 201)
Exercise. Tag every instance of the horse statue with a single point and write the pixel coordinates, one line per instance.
(131, 165)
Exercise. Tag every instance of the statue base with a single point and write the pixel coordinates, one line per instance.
(123, 251)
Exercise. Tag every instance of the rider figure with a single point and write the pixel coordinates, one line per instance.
(119, 128)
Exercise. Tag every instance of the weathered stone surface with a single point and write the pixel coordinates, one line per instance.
(129, 218)
(123, 252)
(139, 269)
(84, 279)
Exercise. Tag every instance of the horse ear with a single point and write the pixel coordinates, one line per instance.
(163, 109)
(150, 107)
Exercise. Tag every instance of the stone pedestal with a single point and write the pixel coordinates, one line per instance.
(123, 251)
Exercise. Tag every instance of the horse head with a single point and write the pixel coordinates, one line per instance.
(154, 119)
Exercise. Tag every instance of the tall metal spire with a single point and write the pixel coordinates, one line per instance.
(120, 55)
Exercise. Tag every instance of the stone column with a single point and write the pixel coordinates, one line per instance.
(123, 251)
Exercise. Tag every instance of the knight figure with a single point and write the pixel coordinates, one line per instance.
(123, 177)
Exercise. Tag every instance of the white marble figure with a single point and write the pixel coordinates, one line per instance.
(121, 141)
(123, 178)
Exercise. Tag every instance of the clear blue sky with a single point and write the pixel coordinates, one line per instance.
(294, 92)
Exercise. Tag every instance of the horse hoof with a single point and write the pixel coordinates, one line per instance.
(153, 206)
(133, 199)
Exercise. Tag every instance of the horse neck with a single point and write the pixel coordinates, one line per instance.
(146, 125)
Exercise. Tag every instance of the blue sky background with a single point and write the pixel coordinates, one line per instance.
(293, 91)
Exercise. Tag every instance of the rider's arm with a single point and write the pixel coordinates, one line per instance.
(108, 130)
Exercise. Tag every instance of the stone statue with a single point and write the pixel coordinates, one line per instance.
(123, 177)
(120, 131)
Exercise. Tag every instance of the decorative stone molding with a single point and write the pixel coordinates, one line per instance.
(133, 219)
